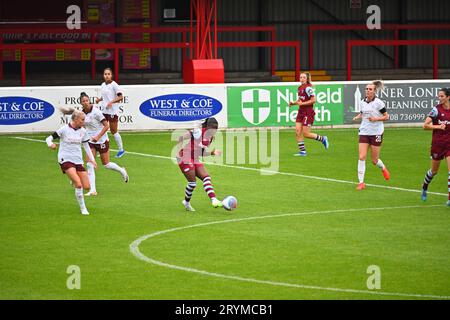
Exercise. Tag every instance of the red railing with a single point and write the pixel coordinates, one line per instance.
(394, 27)
(123, 30)
(117, 46)
(364, 43)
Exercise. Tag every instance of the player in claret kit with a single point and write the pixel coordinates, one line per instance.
(97, 126)
(188, 159)
(111, 95)
(438, 120)
(70, 157)
(373, 114)
(305, 116)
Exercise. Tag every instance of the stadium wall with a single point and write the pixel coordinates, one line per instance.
(291, 19)
(165, 107)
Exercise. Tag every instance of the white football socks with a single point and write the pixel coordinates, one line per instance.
(80, 198)
(91, 175)
(119, 142)
(361, 170)
(114, 166)
(380, 164)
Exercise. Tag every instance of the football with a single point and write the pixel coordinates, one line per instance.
(229, 203)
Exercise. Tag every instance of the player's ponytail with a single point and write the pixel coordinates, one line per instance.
(210, 123)
(67, 110)
(379, 85)
(83, 94)
(76, 114)
(446, 91)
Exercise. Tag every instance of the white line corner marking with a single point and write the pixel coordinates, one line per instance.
(134, 249)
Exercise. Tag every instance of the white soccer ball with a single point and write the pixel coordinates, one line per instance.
(229, 203)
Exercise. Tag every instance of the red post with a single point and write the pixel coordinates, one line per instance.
(396, 48)
(197, 34)
(191, 32)
(23, 65)
(215, 29)
(435, 61)
(310, 47)
(183, 50)
(1, 57)
(116, 64)
(349, 61)
(272, 52)
(297, 62)
(93, 66)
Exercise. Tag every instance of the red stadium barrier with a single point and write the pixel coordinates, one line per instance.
(117, 46)
(394, 27)
(123, 30)
(396, 43)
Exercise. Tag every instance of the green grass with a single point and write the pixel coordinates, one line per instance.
(42, 232)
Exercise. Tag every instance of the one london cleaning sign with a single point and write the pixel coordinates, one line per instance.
(405, 102)
(268, 105)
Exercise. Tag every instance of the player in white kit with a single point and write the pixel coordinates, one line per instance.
(97, 126)
(373, 114)
(70, 157)
(111, 95)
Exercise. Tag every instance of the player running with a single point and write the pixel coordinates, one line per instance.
(70, 157)
(373, 114)
(190, 165)
(111, 95)
(305, 116)
(97, 126)
(438, 120)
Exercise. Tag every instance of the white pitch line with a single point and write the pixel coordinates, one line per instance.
(269, 171)
(29, 139)
(243, 131)
(134, 249)
(134, 246)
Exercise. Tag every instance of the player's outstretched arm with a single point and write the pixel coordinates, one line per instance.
(428, 125)
(49, 140)
(357, 117)
(105, 128)
(384, 117)
(183, 137)
(213, 152)
(116, 100)
(310, 102)
(295, 103)
(88, 151)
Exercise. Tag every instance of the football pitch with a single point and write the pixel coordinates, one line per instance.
(302, 232)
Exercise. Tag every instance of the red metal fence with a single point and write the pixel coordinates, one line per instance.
(348, 27)
(93, 32)
(364, 43)
(117, 46)
(185, 44)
